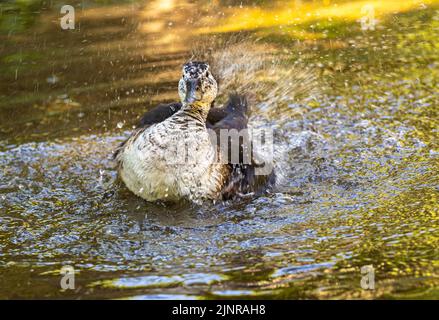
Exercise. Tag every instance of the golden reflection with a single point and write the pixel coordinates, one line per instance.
(165, 23)
(293, 15)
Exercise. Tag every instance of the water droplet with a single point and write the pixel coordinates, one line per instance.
(52, 79)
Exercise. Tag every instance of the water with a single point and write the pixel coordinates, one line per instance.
(355, 119)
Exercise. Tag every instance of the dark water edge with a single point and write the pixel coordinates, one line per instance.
(360, 147)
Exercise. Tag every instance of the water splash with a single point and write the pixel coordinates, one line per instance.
(258, 70)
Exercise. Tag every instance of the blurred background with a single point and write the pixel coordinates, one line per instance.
(349, 86)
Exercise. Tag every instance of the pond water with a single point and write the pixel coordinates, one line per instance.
(354, 108)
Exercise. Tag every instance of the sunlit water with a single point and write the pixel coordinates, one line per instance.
(356, 134)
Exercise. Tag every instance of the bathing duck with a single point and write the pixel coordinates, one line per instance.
(172, 154)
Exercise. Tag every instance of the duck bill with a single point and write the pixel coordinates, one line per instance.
(192, 94)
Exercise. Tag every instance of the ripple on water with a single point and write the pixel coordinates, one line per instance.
(55, 211)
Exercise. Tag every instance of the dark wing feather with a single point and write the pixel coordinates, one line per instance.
(164, 111)
(242, 178)
(232, 116)
(159, 114)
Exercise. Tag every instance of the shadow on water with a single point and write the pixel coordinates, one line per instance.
(355, 119)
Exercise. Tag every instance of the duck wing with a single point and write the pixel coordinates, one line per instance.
(164, 111)
(243, 178)
(159, 114)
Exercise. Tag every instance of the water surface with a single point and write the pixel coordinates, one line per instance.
(355, 113)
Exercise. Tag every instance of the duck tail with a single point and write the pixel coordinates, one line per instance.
(238, 103)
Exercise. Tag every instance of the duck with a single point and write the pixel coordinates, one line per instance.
(174, 153)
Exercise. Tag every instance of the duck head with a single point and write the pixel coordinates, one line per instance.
(197, 86)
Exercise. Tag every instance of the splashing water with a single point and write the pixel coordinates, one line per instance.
(258, 70)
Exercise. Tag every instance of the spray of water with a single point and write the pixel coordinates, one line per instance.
(268, 77)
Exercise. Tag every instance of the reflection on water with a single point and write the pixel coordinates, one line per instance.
(319, 17)
(355, 117)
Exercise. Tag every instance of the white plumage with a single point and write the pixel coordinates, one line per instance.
(165, 161)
